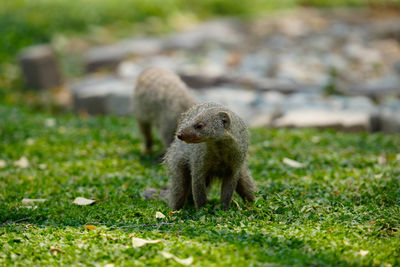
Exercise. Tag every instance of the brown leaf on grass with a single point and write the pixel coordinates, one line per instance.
(42, 166)
(23, 162)
(109, 236)
(54, 251)
(159, 215)
(32, 201)
(139, 242)
(293, 163)
(3, 163)
(187, 261)
(90, 227)
(81, 201)
(382, 159)
(50, 122)
(363, 252)
(237, 204)
(29, 225)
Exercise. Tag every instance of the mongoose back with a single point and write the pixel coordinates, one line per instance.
(160, 97)
(211, 142)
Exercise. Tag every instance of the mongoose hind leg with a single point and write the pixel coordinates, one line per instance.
(245, 186)
(180, 187)
(145, 129)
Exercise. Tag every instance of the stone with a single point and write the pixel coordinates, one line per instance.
(103, 95)
(336, 119)
(222, 32)
(380, 88)
(389, 28)
(40, 67)
(396, 67)
(195, 80)
(111, 55)
(390, 122)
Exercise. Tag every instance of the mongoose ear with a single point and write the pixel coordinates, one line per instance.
(225, 118)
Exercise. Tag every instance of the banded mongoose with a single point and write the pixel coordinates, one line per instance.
(160, 97)
(211, 142)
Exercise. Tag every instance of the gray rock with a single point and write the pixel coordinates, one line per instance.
(396, 67)
(110, 56)
(389, 28)
(40, 67)
(104, 95)
(336, 119)
(223, 32)
(390, 121)
(259, 64)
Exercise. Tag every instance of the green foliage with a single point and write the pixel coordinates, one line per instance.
(345, 201)
(24, 23)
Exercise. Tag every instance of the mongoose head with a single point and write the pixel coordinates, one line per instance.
(212, 124)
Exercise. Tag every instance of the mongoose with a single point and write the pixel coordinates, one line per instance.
(211, 142)
(160, 97)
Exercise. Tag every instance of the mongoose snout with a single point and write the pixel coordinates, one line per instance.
(189, 135)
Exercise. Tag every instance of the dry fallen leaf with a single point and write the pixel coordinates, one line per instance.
(30, 141)
(22, 162)
(186, 261)
(363, 252)
(42, 166)
(293, 163)
(139, 242)
(3, 163)
(315, 139)
(54, 251)
(382, 159)
(50, 122)
(81, 201)
(109, 236)
(32, 202)
(29, 225)
(237, 204)
(159, 215)
(90, 227)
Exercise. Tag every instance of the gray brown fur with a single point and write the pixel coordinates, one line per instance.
(160, 97)
(218, 149)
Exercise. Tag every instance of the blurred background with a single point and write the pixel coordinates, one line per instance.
(277, 63)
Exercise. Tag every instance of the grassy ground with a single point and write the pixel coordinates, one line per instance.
(24, 23)
(342, 208)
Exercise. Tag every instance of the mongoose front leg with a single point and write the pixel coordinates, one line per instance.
(180, 188)
(145, 129)
(245, 186)
(199, 190)
(227, 189)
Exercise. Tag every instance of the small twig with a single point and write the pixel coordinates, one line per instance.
(16, 221)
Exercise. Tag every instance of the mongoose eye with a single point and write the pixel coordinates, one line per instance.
(199, 126)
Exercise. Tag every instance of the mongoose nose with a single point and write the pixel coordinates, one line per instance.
(180, 136)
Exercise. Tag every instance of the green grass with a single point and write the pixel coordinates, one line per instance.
(24, 23)
(342, 203)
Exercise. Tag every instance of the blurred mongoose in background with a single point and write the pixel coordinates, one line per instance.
(160, 97)
(212, 142)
